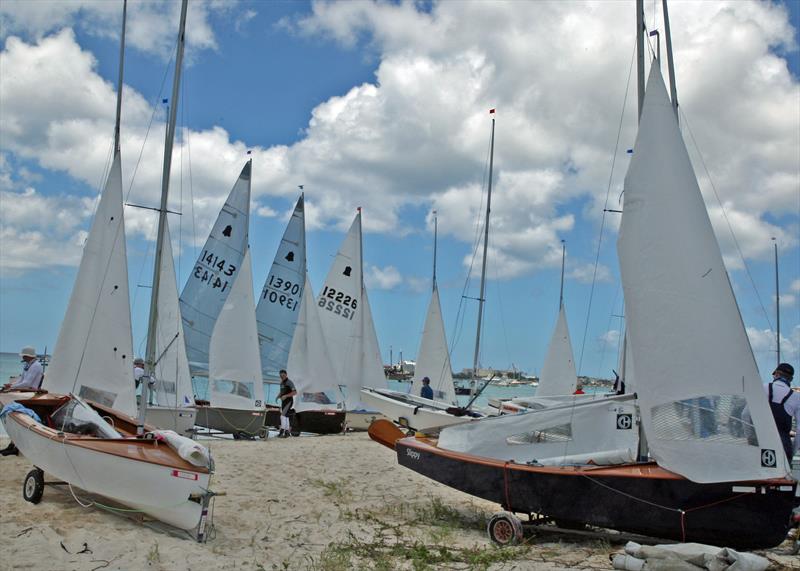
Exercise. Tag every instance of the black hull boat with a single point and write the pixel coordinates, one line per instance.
(638, 498)
(313, 421)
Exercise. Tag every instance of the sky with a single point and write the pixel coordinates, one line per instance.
(384, 106)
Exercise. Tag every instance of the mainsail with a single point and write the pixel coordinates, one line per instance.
(558, 375)
(93, 357)
(433, 357)
(347, 321)
(696, 376)
(234, 365)
(173, 386)
(277, 310)
(213, 275)
(309, 363)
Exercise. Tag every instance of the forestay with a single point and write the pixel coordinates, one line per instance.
(213, 275)
(93, 357)
(601, 431)
(558, 372)
(695, 372)
(433, 357)
(234, 365)
(173, 382)
(347, 321)
(277, 310)
(309, 363)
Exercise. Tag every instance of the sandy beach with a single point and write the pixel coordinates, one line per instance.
(322, 503)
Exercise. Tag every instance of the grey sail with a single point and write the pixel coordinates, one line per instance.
(278, 305)
(213, 274)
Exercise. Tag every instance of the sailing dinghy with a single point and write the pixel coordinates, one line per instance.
(717, 475)
(349, 331)
(87, 436)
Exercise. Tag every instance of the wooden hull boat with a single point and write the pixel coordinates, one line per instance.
(142, 474)
(638, 498)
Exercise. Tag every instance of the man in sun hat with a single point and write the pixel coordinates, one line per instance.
(785, 404)
(138, 370)
(32, 372)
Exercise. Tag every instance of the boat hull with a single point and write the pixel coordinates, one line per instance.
(313, 421)
(360, 420)
(141, 474)
(247, 423)
(421, 418)
(181, 420)
(642, 498)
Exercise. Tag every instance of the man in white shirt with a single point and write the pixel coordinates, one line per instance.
(32, 372)
(138, 370)
(785, 405)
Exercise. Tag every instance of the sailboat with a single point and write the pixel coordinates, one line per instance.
(87, 436)
(410, 410)
(346, 318)
(714, 475)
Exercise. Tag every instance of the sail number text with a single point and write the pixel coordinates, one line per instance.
(281, 291)
(338, 302)
(207, 268)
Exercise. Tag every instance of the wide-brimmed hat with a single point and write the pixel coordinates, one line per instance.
(786, 369)
(138, 361)
(28, 352)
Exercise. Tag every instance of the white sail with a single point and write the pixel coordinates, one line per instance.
(558, 372)
(347, 321)
(93, 357)
(173, 386)
(213, 275)
(277, 310)
(695, 372)
(309, 363)
(433, 357)
(234, 363)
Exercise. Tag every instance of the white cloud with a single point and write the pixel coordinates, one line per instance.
(787, 300)
(585, 273)
(382, 278)
(763, 340)
(266, 212)
(418, 134)
(795, 287)
(609, 339)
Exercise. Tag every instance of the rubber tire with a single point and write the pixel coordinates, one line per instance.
(263, 434)
(33, 486)
(505, 529)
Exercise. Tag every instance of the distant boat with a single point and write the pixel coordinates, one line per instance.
(87, 436)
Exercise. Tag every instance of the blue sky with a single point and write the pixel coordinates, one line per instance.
(384, 105)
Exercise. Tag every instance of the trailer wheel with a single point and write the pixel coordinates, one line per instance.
(505, 529)
(33, 487)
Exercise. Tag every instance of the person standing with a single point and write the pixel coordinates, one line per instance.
(138, 370)
(32, 372)
(785, 404)
(426, 391)
(286, 396)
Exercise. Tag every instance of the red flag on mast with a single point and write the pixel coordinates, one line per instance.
(491, 111)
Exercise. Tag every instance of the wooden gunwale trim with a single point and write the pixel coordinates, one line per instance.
(649, 470)
(111, 446)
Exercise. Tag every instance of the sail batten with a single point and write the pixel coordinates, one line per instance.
(702, 402)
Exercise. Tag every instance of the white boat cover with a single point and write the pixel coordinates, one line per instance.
(188, 449)
(234, 363)
(347, 322)
(686, 556)
(433, 357)
(277, 310)
(599, 431)
(309, 364)
(558, 372)
(93, 357)
(173, 387)
(214, 272)
(696, 376)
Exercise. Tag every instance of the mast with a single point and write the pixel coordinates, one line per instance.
(640, 53)
(435, 233)
(119, 82)
(150, 356)
(777, 304)
(563, 259)
(483, 265)
(673, 90)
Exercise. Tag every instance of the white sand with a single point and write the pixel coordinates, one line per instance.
(326, 503)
